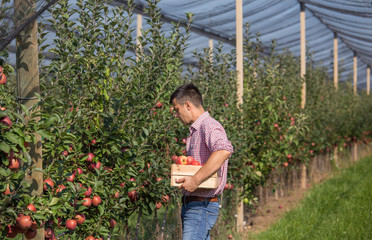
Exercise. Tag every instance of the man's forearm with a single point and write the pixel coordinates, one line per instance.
(214, 163)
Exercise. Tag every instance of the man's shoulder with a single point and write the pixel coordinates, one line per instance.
(210, 123)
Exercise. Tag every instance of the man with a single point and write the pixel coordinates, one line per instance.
(208, 144)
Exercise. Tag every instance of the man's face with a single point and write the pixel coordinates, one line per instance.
(182, 112)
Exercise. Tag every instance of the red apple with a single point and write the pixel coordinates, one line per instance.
(159, 104)
(132, 195)
(184, 141)
(14, 164)
(80, 218)
(165, 198)
(158, 205)
(88, 192)
(34, 225)
(48, 183)
(90, 238)
(24, 222)
(60, 188)
(87, 202)
(174, 158)
(112, 223)
(285, 164)
(31, 207)
(122, 184)
(71, 224)
(182, 160)
(48, 232)
(65, 153)
(6, 121)
(116, 195)
(20, 230)
(93, 141)
(96, 165)
(195, 163)
(158, 179)
(78, 171)
(96, 200)
(90, 157)
(3, 79)
(70, 178)
(190, 159)
(30, 234)
(11, 231)
(7, 190)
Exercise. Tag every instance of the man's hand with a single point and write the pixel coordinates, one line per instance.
(188, 183)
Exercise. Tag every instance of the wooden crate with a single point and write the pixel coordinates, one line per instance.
(179, 171)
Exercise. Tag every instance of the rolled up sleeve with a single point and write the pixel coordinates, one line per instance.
(216, 139)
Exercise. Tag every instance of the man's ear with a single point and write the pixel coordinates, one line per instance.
(188, 105)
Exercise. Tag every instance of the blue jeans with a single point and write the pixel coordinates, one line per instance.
(198, 218)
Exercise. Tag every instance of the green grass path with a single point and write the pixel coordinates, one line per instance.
(340, 208)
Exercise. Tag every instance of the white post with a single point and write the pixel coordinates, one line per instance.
(355, 73)
(139, 33)
(211, 50)
(303, 72)
(335, 61)
(240, 76)
(368, 80)
(239, 48)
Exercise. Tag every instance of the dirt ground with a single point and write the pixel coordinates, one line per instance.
(272, 211)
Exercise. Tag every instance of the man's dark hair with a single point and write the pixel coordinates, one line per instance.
(187, 92)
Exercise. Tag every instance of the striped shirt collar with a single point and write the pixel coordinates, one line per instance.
(198, 122)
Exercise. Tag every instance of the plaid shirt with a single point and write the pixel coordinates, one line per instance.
(206, 136)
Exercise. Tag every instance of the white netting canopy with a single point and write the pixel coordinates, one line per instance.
(275, 20)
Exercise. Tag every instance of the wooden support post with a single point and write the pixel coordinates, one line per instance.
(368, 80)
(240, 77)
(27, 65)
(211, 50)
(335, 61)
(277, 186)
(303, 55)
(139, 34)
(355, 73)
(303, 72)
(355, 152)
(239, 49)
(335, 157)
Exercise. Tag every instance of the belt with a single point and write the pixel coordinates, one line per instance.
(188, 199)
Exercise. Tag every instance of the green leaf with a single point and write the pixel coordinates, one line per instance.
(28, 157)
(54, 201)
(19, 132)
(4, 147)
(25, 109)
(3, 172)
(101, 209)
(145, 131)
(44, 134)
(11, 211)
(12, 138)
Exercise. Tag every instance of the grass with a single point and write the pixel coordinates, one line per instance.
(340, 208)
